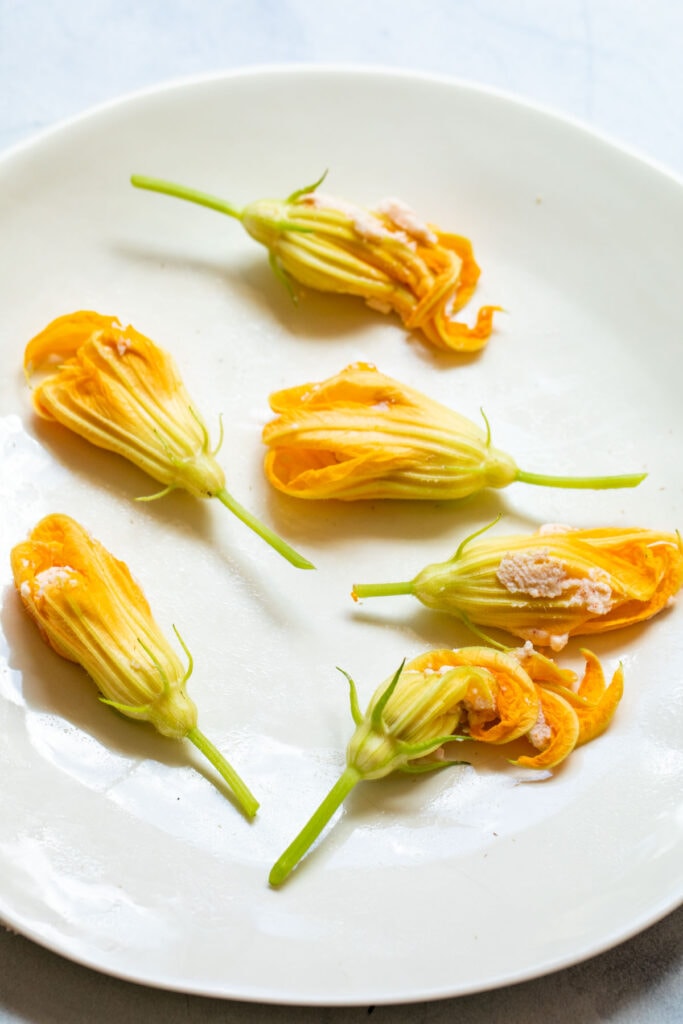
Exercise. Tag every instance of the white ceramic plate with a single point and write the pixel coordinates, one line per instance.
(114, 850)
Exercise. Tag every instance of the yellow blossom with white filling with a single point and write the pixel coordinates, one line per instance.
(550, 585)
(386, 255)
(472, 694)
(119, 390)
(90, 610)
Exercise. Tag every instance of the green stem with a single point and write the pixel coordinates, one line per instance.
(381, 589)
(314, 826)
(589, 483)
(169, 188)
(270, 537)
(243, 794)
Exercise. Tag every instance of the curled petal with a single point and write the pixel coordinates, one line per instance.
(516, 697)
(62, 338)
(592, 686)
(470, 270)
(594, 703)
(541, 669)
(556, 731)
(500, 706)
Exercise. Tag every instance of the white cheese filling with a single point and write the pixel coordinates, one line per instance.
(539, 575)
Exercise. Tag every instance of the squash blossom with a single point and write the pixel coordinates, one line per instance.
(120, 391)
(550, 585)
(386, 256)
(474, 693)
(90, 610)
(361, 434)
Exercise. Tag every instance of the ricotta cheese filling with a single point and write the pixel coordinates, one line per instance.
(365, 224)
(540, 733)
(556, 641)
(54, 576)
(538, 574)
(368, 224)
(403, 217)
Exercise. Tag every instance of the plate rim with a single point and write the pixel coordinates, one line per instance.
(302, 69)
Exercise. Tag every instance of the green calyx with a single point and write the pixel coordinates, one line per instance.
(203, 477)
(404, 722)
(504, 471)
(374, 751)
(174, 715)
(266, 220)
(435, 585)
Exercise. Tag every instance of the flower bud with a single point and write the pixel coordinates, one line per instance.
(117, 389)
(361, 434)
(409, 716)
(120, 391)
(90, 610)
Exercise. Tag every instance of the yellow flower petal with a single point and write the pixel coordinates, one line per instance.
(556, 732)
(594, 703)
(62, 338)
(499, 707)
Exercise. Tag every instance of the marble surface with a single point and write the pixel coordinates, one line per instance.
(614, 66)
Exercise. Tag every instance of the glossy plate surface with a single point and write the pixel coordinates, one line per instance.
(114, 850)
